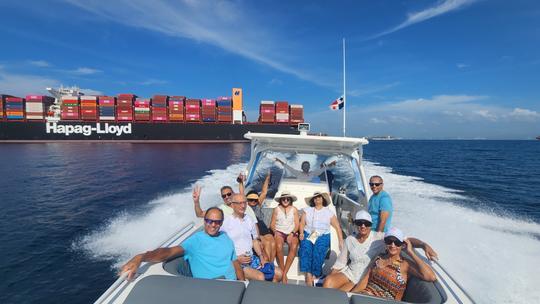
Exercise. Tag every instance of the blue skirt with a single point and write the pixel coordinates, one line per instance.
(312, 255)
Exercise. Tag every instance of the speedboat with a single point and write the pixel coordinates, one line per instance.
(169, 282)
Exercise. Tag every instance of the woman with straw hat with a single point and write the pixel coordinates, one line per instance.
(315, 234)
(285, 223)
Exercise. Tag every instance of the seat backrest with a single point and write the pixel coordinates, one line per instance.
(166, 289)
(419, 291)
(259, 292)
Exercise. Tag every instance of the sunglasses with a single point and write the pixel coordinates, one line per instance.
(390, 240)
(252, 200)
(210, 222)
(362, 222)
(285, 199)
(239, 202)
(226, 195)
(375, 184)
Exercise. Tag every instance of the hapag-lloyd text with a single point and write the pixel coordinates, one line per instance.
(87, 130)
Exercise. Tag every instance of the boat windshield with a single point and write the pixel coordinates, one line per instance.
(343, 177)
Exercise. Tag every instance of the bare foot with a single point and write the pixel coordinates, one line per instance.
(284, 280)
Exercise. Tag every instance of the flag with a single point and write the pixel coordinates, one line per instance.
(337, 104)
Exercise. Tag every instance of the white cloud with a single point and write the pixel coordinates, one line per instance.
(21, 85)
(524, 115)
(153, 81)
(486, 114)
(441, 116)
(224, 24)
(91, 92)
(85, 71)
(442, 7)
(371, 89)
(462, 65)
(377, 121)
(40, 63)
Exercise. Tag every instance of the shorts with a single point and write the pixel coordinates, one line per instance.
(284, 236)
(268, 269)
(263, 229)
(255, 263)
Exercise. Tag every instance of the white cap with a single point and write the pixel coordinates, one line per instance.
(363, 215)
(398, 234)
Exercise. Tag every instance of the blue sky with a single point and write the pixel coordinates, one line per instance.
(415, 69)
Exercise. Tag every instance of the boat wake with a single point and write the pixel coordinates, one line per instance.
(492, 256)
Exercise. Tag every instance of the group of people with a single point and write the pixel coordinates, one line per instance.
(236, 243)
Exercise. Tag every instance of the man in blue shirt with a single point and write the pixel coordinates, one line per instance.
(210, 252)
(380, 205)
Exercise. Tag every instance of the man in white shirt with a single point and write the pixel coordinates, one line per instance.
(305, 174)
(226, 194)
(243, 231)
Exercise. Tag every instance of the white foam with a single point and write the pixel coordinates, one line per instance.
(493, 257)
(131, 233)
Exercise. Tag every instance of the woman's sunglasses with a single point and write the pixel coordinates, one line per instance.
(390, 240)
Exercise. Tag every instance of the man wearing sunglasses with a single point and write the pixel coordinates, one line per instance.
(243, 232)
(226, 193)
(210, 253)
(380, 205)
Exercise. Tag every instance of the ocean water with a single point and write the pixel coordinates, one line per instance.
(72, 213)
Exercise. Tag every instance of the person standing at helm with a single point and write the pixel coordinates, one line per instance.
(305, 174)
(380, 205)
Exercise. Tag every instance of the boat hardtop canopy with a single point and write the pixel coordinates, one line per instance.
(305, 143)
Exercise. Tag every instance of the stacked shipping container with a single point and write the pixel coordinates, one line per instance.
(14, 108)
(37, 105)
(106, 108)
(282, 112)
(193, 110)
(224, 109)
(142, 109)
(2, 97)
(296, 114)
(208, 110)
(159, 107)
(69, 110)
(267, 112)
(88, 108)
(176, 108)
(124, 107)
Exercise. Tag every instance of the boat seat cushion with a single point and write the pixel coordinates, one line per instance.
(259, 292)
(179, 289)
(419, 291)
(178, 266)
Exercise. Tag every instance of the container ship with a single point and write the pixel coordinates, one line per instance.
(74, 117)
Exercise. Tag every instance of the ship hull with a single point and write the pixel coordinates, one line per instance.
(134, 132)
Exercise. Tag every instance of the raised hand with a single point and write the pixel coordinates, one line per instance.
(196, 193)
(430, 253)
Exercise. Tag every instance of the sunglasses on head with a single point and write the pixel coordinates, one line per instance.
(375, 184)
(210, 222)
(362, 222)
(390, 240)
(226, 194)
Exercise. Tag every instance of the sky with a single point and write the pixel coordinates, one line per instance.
(426, 69)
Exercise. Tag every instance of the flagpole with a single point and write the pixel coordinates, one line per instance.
(344, 91)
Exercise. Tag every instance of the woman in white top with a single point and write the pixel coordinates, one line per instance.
(315, 235)
(284, 223)
(360, 249)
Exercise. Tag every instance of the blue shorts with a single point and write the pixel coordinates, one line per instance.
(268, 269)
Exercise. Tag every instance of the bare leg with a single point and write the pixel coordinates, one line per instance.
(279, 251)
(253, 274)
(269, 246)
(309, 279)
(278, 275)
(338, 281)
(293, 247)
